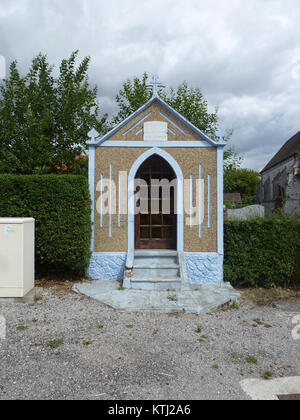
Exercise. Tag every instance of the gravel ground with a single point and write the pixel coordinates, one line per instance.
(108, 354)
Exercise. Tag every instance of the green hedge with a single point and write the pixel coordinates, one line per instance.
(61, 208)
(262, 252)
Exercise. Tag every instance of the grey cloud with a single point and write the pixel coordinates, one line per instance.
(239, 53)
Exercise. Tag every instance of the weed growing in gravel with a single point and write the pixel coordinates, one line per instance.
(121, 288)
(261, 322)
(129, 326)
(251, 360)
(233, 356)
(22, 328)
(258, 321)
(203, 338)
(234, 305)
(100, 326)
(199, 329)
(267, 375)
(215, 366)
(55, 343)
(87, 342)
(155, 332)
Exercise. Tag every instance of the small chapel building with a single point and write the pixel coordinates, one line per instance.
(156, 183)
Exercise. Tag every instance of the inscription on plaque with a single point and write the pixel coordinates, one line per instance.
(155, 131)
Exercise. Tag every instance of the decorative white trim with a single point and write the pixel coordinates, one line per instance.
(220, 197)
(209, 201)
(148, 144)
(92, 191)
(172, 131)
(174, 123)
(180, 196)
(110, 200)
(191, 200)
(200, 202)
(97, 142)
(101, 201)
(119, 201)
(137, 123)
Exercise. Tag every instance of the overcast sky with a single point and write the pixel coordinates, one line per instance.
(245, 56)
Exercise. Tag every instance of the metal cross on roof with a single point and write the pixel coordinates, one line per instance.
(155, 84)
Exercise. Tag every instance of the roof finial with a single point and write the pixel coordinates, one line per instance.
(155, 84)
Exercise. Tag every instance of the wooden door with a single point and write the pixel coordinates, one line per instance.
(156, 222)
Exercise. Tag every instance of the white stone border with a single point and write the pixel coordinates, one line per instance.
(268, 390)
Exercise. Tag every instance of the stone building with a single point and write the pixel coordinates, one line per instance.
(161, 246)
(280, 184)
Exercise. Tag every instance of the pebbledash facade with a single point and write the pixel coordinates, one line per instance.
(156, 141)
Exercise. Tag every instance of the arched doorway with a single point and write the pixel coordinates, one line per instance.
(156, 190)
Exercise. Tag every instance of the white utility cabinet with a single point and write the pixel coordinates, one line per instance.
(16, 257)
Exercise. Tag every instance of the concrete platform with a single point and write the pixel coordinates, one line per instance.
(31, 297)
(199, 299)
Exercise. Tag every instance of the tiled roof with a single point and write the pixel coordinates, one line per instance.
(236, 197)
(291, 147)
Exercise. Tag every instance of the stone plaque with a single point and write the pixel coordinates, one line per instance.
(156, 131)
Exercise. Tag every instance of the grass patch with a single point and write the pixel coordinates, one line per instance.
(267, 375)
(54, 344)
(121, 288)
(22, 328)
(215, 366)
(251, 360)
(129, 326)
(235, 305)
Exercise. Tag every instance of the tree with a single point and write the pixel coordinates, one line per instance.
(244, 181)
(188, 101)
(131, 97)
(44, 121)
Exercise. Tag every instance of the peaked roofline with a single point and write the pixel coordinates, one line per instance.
(96, 141)
(288, 150)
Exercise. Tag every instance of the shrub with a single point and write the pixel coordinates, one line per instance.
(262, 252)
(61, 208)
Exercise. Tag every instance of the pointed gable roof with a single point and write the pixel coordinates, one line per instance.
(97, 141)
(290, 148)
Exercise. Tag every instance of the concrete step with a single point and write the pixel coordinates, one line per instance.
(155, 257)
(156, 283)
(156, 271)
(155, 252)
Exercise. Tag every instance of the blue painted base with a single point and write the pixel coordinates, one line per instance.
(204, 268)
(107, 266)
(201, 267)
